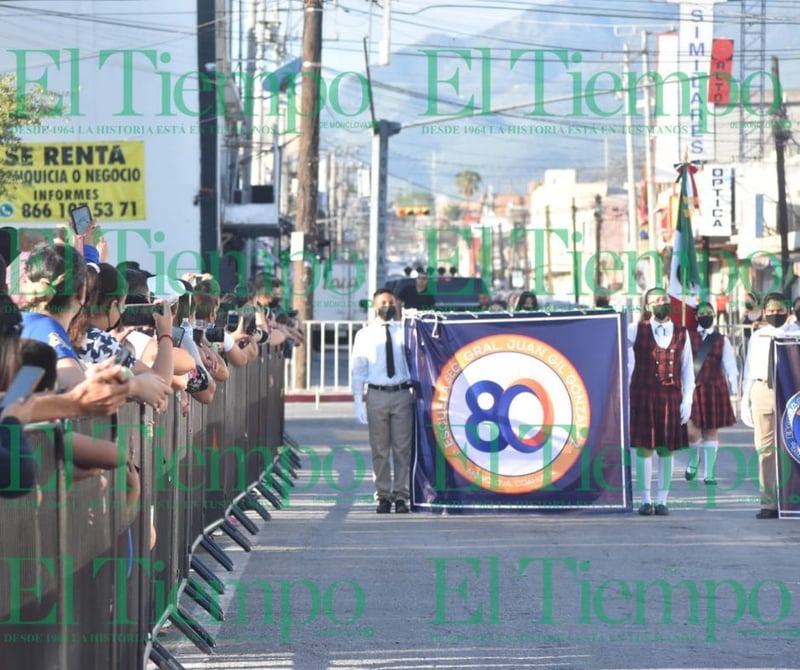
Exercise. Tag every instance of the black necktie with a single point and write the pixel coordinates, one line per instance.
(771, 365)
(389, 353)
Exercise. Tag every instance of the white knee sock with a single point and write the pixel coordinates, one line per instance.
(694, 455)
(664, 478)
(710, 451)
(644, 473)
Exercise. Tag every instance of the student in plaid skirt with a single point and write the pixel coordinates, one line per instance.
(661, 387)
(716, 378)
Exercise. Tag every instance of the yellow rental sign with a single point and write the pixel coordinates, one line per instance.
(47, 180)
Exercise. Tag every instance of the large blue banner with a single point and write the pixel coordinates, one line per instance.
(520, 411)
(787, 433)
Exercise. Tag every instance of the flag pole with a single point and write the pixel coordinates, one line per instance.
(683, 202)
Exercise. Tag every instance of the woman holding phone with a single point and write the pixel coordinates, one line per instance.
(90, 334)
(15, 453)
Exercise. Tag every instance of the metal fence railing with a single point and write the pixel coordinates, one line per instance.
(80, 585)
(326, 355)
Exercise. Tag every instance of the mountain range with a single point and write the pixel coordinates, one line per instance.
(452, 93)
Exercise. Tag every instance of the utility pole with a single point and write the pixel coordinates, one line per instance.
(598, 229)
(376, 272)
(308, 170)
(549, 271)
(632, 214)
(576, 269)
(650, 184)
(249, 92)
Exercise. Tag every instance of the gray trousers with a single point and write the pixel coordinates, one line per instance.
(390, 415)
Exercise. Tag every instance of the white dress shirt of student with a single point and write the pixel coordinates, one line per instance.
(661, 377)
(758, 397)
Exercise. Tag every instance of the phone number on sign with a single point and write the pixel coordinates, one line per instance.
(106, 210)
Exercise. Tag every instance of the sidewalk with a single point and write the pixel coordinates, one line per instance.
(330, 584)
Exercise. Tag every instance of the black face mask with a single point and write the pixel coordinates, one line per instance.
(275, 303)
(660, 312)
(706, 321)
(387, 312)
(776, 320)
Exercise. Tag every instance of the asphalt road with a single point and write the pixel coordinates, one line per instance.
(330, 584)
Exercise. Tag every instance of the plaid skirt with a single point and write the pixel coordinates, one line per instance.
(711, 405)
(656, 419)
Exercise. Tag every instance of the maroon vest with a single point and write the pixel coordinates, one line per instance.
(712, 365)
(656, 367)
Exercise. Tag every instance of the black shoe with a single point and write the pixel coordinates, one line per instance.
(646, 509)
(710, 482)
(400, 507)
(767, 514)
(690, 474)
(662, 510)
(384, 506)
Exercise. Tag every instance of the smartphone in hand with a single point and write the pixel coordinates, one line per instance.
(23, 384)
(81, 218)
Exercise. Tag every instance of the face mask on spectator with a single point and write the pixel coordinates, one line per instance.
(776, 320)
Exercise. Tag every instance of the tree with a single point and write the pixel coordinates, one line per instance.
(16, 112)
(467, 182)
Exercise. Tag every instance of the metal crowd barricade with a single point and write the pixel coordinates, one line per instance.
(326, 354)
(80, 586)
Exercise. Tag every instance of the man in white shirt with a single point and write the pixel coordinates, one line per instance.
(379, 361)
(758, 397)
(661, 377)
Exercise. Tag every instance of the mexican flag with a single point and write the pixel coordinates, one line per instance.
(684, 278)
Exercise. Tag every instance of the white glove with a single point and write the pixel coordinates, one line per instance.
(360, 411)
(686, 411)
(746, 413)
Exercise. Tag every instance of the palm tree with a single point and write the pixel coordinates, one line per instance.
(467, 182)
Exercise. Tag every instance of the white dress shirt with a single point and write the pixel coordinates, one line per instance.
(662, 332)
(756, 363)
(729, 366)
(369, 356)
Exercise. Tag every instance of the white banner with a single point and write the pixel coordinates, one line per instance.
(715, 191)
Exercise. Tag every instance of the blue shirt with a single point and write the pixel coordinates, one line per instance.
(45, 329)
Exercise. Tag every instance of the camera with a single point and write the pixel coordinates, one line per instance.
(140, 315)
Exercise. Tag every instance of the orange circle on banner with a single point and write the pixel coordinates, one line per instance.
(562, 397)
